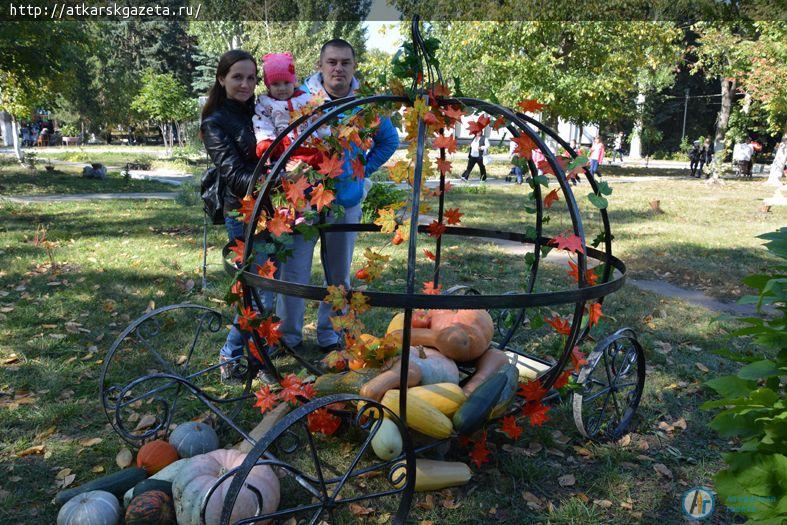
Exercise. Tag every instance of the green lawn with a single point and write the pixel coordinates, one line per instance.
(114, 260)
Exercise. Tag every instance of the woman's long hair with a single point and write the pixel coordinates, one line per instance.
(218, 94)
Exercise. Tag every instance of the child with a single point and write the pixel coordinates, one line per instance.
(596, 155)
(272, 110)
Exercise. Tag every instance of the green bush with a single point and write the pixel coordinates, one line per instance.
(188, 193)
(753, 404)
(69, 130)
(380, 196)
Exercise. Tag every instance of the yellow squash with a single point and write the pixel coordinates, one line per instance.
(445, 397)
(421, 416)
(435, 475)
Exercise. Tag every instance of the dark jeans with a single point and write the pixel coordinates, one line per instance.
(471, 162)
(694, 165)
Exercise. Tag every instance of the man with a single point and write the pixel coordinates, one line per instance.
(334, 79)
(741, 155)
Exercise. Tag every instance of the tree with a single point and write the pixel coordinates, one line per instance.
(165, 101)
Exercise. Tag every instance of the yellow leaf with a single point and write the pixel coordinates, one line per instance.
(386, 221)
(37, 449)
(90, 442)
(124, 458)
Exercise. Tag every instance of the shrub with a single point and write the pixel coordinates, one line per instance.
(188, 193)
(380, 196)
(753, 404)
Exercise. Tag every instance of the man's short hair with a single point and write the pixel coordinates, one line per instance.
(339, 43)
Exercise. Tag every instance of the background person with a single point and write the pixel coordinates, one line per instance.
(478, 148)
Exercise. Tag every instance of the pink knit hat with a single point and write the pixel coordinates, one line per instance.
(278, 67)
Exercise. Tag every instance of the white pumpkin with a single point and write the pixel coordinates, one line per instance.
(194, 438)
(191, 485)
(96, 507)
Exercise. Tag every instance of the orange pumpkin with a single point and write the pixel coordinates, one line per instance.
(156, 455)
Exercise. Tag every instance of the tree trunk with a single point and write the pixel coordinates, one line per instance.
(635, 152)
(779, 159)
(171, 139)
(727, 97)
(20, 156)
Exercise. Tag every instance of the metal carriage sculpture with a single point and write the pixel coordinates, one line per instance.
(322, 484)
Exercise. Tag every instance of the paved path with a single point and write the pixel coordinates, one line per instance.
(79, 197)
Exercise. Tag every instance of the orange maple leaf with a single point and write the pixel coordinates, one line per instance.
(562, 379)
(269, 331)
(246, 208)
(510, 427)
(550, 198)
(267, 270)
(322, 197)
(295, 191)
(440, 90)
(280, 222)
(291, 388)
(246, 316)
(429, 288)
(436, 229)
(530, 105)
(498, 123)
(560, 325)
(447, 142)
(571, 243)
(447, 187)
(578, 358)
(254, 351)
(238, 248)
(536, 412)
(453, 113)
(429, 255)
(524, 146)
(590, 274)
(532, 390)
(475, 127)
(480, 454)
(331, 166)
(594, 313)
(323, 421)
(444, 166)
(358, 169)
(266, 399)
(453, 215)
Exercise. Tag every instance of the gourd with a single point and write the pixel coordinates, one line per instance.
(191, 485)
(168, 473)
(445, 397)
(387, 442)
(474, 412)
(153, 507)
(344, 382)
(95, 507)
(421, 416)
(116, 484)
(435, 475)
(385, 381)
(194, 438)
(435, 367)
(155, 455)
(508, 392)
(461, 335)
(489, 363)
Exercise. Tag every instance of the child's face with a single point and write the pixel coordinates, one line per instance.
(281, 90)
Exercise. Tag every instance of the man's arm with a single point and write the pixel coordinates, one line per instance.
(386, 140)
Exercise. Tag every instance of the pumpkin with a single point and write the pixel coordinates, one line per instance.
(462, 335)
(168, 473)
(153, 507)
(191, 485)
(194, 438)
(96, 507)
(155, 455)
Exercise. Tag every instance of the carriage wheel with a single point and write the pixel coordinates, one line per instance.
(611, 387)
(322, 477)
(179, 340)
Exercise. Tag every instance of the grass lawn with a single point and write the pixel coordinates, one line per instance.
(114, 260)
(68, 180)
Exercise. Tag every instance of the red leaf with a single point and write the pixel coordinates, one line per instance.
(359, 170)
(578, 358)
(280, 222)
(532, 390)
(323, 421)
(266, 400)
(524, 146)
(447, 142)
(453, 113)
(560, 325)
(510, 427)
(444, 166)
(254, 350)
(590, 275)
(536, 412)
(476, 127)
(267, 270)
(322, 197)
(550, 198)
(238, 248)
(594, 313)
(331, 166)
(562, 379)
(292, 387)
(429, 255)
(246, 208)
(295, 191)
(269, 331)
(429, 288)
(245, 317)
(498, 123)
(571, 243)
(452, 216)
(480, 454)
(530, 105)
(436, 229)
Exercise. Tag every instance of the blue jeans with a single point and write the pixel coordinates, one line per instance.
(298, 268)
(517, 173)
(593, 167)
(236, 340)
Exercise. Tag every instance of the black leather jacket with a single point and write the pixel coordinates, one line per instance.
(229, 140)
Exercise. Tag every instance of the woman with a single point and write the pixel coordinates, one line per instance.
(596, 155)
(228, 136)
(478, 148)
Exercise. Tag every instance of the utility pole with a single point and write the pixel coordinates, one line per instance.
(685, 111)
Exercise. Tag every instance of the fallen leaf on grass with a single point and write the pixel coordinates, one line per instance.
(427, 503)
(98, 469)
(560, 437)
(625, 440)
(358, 510)
(90, 442)
(124, 458)
(681, 424)
(181, 359)
(63, 473)
(567, 480)
(147, 421)
(702, 368)
(603, 503)
(45, 433)
(582, 496)
(11, 359)
(37, 449)
(66, 481)
(662, 347)
(582, 451)
(532, 501)
(662, 469)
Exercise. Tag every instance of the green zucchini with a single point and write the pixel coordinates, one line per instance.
(473, 413)
(508, 392)
(344, 382)
(117, 484)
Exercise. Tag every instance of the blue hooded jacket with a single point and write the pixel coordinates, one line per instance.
(349, 191)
